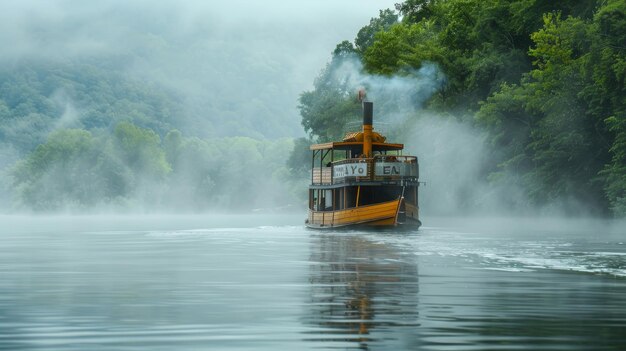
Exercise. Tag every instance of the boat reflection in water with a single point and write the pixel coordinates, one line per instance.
(362, 292)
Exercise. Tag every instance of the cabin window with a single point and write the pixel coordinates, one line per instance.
(338, 196)
(350, 200)
(328, 200)
(315, 199)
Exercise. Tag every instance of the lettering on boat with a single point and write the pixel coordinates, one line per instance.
(350, 170)
(390, 170)
(395, 169)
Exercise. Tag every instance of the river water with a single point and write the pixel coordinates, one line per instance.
(266, 283)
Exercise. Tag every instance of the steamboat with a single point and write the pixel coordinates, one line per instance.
(363, 180)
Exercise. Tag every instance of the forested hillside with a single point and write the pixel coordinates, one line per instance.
(120, 107)
(91, 139)
(156, 106)
(543, 82)
(83, 134)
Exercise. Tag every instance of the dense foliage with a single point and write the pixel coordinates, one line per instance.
(84, 134)
(545, 80)
(37, 98)
(132, 168)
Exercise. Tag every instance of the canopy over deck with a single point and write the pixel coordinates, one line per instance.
(356, 146)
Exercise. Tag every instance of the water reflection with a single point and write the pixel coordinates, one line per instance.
(361, 292)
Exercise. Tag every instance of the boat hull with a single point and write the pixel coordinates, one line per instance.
(384, 214)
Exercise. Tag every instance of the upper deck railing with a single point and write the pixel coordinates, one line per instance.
(381, 168)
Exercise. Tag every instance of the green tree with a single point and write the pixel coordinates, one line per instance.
(140, 149)
(563, 142)
(606, 65)
(192, 183)
(326, 109)
(366, 35)
(413, 11)
(567, 151)
(299, 161)
(59, 173)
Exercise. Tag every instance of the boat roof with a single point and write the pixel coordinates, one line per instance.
(356, 146)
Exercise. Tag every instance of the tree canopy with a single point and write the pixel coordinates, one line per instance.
(545, 82)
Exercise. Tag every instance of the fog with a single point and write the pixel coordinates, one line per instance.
(228, 74)
(235, 56)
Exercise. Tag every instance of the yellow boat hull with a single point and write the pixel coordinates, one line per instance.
(380, 214)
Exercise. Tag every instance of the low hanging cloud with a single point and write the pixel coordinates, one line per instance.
(218, 57)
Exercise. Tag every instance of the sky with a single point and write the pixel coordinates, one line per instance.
(68, 27)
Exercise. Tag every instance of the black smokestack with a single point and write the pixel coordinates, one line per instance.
(368, 113)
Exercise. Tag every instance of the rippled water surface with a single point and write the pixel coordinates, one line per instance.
(267, 283)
